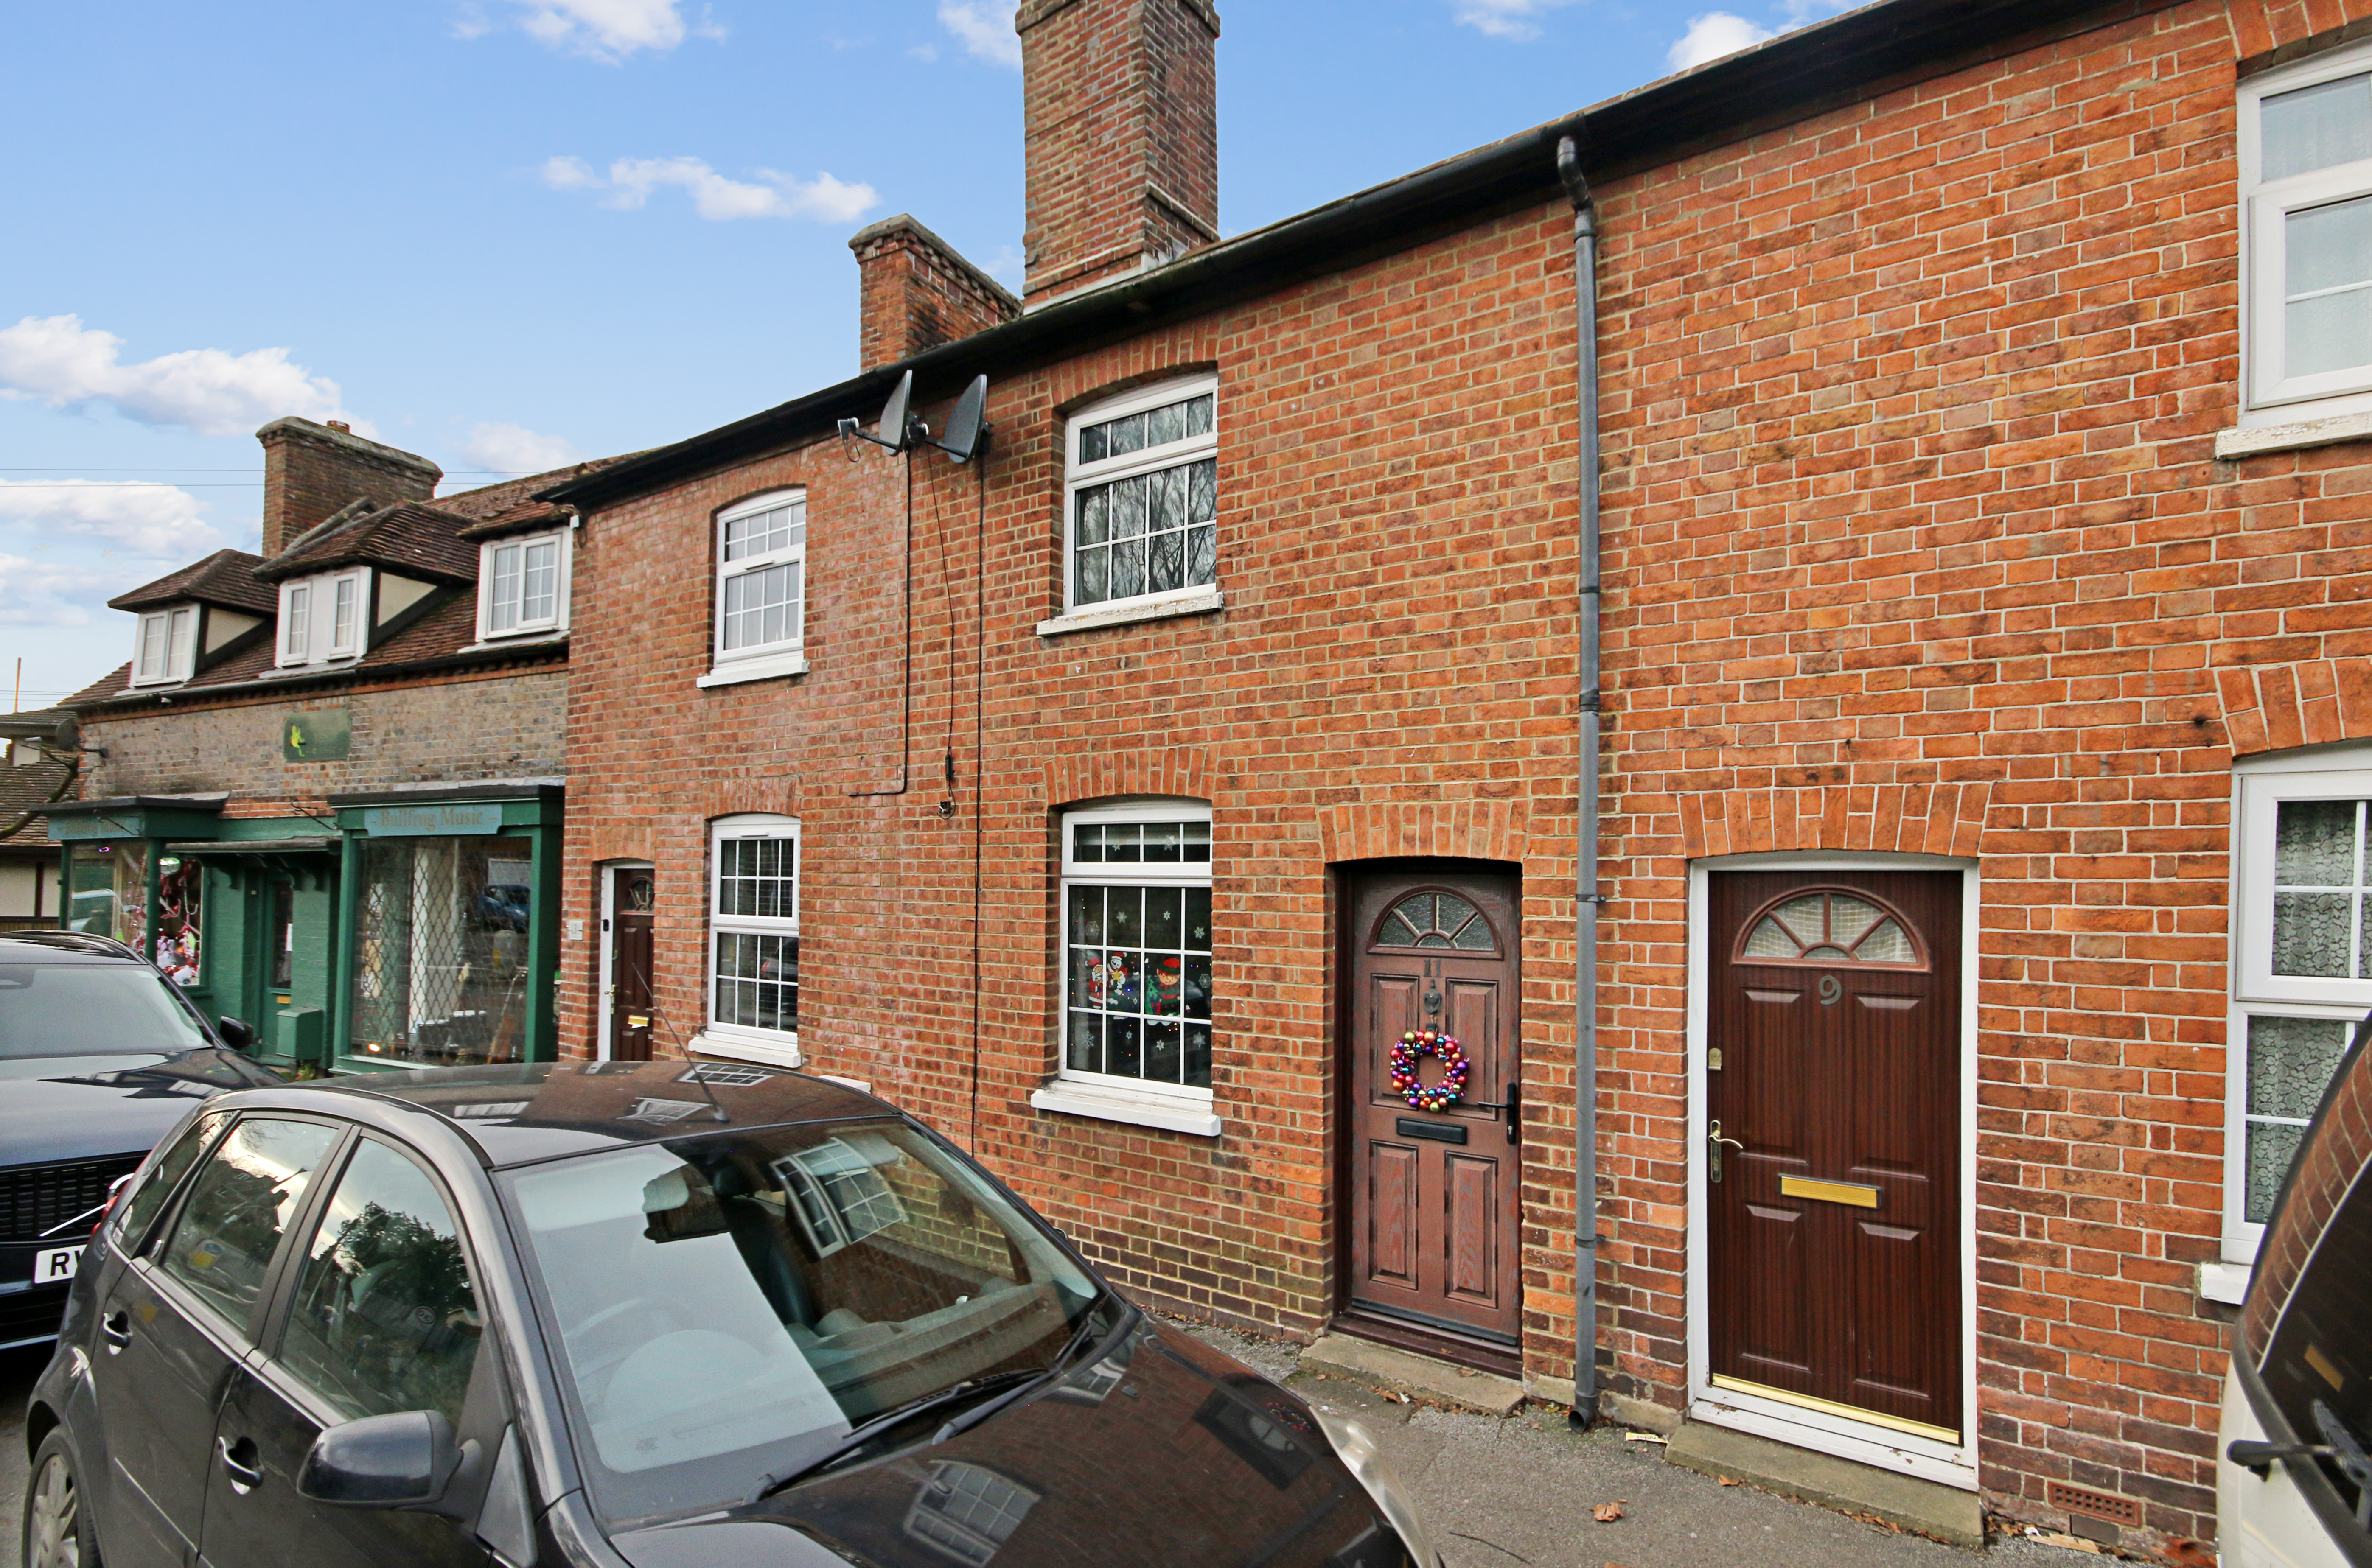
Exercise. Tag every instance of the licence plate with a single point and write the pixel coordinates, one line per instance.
(55, 1264)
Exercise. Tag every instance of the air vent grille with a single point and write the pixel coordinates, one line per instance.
(2094, 1505)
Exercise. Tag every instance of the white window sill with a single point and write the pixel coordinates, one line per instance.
(516, 639)
(1191, 601)
(766, 667)
(780, 1051)
(1169, 1112)
(2226, 1282)
(2245, 441)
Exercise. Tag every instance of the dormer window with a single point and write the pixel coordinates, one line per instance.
(167, 647)
(322, 618)
(523, 585)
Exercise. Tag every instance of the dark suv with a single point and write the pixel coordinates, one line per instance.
(100, 1057)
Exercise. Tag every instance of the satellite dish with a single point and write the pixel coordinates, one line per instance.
(965, 424)
(892, 433)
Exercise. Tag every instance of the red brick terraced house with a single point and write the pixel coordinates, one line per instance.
(1960, 411)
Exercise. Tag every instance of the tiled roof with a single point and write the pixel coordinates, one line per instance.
(21, 788)
(227, 577)
(521, 519)
(412, 538)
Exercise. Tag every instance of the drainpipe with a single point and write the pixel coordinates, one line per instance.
(1587, 898)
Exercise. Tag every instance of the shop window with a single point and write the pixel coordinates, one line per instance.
(180, 889)
(109, 891)
(1142, 500)
(1136, 949)
(440, 949)
(523, 586)
(753, 937)
(166, 646)
(761, 554)
(2302, 963)
(2305, 170)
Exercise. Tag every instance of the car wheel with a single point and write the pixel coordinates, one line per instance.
(57, 1526)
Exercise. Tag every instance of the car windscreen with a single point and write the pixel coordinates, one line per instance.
(91, 1010)
(729, 1307)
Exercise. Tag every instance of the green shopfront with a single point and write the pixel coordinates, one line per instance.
(402, 928)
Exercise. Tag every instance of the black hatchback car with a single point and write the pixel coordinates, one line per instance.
(647, 1315)
(100, 1057)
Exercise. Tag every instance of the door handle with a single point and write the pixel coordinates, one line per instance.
(1714, 1141)
(1513, 1105)
(115, 1328)
(245, 1474)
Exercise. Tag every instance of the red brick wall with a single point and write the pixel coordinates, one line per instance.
(1120, 104)
(915, 292)
(1915, 543)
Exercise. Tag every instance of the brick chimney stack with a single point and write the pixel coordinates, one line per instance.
(915, 292)
(1120, 111)
(311, 471)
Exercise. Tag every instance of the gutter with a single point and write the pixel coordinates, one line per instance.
(1587, 898)
(1880, 47)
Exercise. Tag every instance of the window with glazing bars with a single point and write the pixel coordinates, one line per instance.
(754, 926)
(1137, 899)
(1143, 495)
(761, 575)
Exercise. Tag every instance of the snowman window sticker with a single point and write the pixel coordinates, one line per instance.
(1136, 949)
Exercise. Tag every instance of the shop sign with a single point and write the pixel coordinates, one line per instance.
(432, 821)
(321, 735)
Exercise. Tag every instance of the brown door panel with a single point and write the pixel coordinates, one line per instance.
(1434, 1231)
(1839, 1066)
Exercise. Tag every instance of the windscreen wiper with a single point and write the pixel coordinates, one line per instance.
(1081, 1337)
(863, 1436)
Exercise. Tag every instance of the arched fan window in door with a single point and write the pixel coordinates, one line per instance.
(1832, 928)
(1437, 920)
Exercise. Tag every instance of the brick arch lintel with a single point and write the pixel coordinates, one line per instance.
(729, 797)
(1939, 819)
(1480, 829)
(2273, 707)
(1181, 773)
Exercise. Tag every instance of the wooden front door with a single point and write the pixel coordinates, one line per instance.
(630, 963)
(1833, 1151)
(1433, 1196)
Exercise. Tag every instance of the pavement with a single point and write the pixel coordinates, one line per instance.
(1519, 1491)
(1500, 1491)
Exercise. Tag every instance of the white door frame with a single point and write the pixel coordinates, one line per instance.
(1953, 1465)
(607, 871)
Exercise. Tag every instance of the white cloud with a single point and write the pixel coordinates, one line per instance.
(154, 520)
(1715, 33)
(514, 448)
(40, 593)
(607, 30)
(1504, 18)
(57, 360)
(985, 28)
(630, 182)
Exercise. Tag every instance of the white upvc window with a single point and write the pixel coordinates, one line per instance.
(1135, 965)
(166, 647)
(2301, 962)
(2305, 214)
(523, 585)
(322, 618)
(753, 939)
(1141, 500)
(761, 550)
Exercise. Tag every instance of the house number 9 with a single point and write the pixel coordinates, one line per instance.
(1830, 989)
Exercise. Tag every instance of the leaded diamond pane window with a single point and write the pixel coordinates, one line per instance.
(440, 950)
(1831, 928)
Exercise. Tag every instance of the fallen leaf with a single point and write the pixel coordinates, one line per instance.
(2188, 1553)
(1607, 1513)
(1645, 1438)
(1727, 1482)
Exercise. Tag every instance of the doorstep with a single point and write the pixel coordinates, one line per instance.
(1928, 1507)
(1417, 1377)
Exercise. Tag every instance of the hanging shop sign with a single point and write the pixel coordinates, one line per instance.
(322, 734)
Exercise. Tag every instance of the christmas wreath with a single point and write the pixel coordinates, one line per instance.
(1417, 1044)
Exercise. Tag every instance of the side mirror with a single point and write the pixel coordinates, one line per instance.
(237, 1035)
(381, 1461)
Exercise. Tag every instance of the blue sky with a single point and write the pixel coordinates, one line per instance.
(509, 233)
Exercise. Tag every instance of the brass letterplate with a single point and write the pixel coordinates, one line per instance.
(638, 1020)
(1852, 1192)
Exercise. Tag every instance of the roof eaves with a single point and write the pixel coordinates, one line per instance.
(1807, 71)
